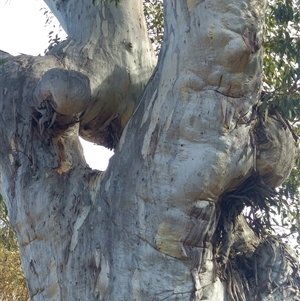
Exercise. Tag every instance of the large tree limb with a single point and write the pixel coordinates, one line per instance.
(145, 229)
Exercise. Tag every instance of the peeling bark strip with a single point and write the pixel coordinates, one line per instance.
(196, 240)
(145, 229)
(198, 229)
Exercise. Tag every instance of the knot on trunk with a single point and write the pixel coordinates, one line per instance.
(276, 149)
(68, 91)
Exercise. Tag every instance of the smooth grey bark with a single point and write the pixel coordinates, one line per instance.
(116, 56)
(147, 228)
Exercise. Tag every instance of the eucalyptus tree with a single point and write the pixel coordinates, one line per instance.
(192, 148)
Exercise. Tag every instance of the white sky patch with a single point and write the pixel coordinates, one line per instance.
(97, 157)
(22, 27)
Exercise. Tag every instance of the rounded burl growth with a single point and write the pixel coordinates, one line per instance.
(276, 150)
(67, 90)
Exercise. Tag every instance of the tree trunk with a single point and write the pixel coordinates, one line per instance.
(160, 223)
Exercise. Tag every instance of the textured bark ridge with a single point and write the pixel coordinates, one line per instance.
(164, 221)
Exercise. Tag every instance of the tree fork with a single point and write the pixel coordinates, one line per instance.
(145, 228)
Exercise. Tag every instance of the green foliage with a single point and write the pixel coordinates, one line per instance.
(154, 14)
(281, 84)
(282, 59)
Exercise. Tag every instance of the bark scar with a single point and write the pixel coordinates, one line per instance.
(250, 40)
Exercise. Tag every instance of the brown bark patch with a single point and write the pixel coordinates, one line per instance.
(64, 164)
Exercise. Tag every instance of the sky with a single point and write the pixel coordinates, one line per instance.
(23, 30)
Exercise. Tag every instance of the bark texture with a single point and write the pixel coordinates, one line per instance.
(160, 223)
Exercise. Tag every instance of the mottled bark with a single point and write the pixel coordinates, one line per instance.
(159, 223)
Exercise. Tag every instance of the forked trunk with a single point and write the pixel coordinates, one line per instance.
(161, 223)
